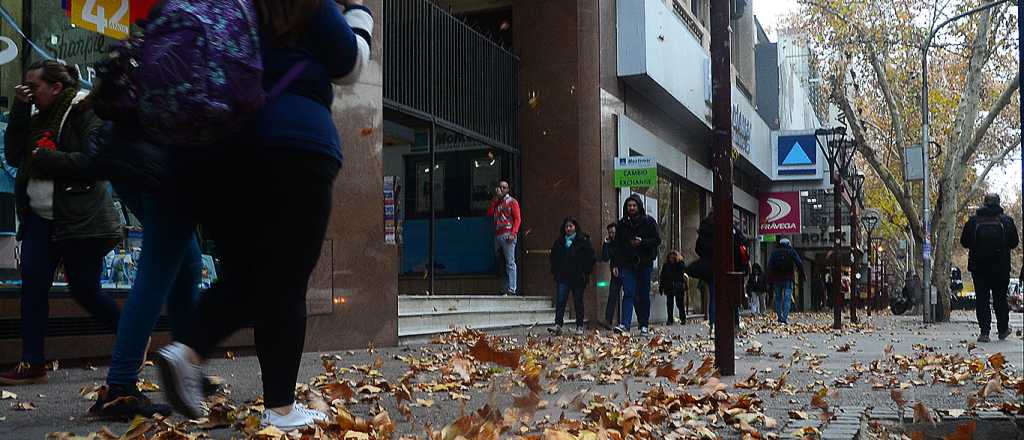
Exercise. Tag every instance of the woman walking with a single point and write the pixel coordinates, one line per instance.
(269, 250)
(672, 283)
(572, 261)
(65, 215)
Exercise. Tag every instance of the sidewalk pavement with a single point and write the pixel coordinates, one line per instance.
(862, 367)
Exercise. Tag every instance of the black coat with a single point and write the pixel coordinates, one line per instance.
(671, 280)
(82, 205)
(625, 255)
(573, 264)
(1001, 267)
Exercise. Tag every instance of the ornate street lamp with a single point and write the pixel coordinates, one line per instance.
(870, 222)
(855, 181)
(833, 145)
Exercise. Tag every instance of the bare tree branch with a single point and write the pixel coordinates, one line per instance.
(979, 181)
(993, 112)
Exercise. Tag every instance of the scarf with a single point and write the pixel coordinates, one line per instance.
(569, 239)
(44, 128)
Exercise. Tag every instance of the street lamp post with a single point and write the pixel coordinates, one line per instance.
(856, 184)
(870, 222)
(833, 145)
(926, 250)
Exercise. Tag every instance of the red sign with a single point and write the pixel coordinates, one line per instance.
(780, 213)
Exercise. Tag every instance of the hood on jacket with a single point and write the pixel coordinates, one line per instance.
(642, 211)
(990, 211)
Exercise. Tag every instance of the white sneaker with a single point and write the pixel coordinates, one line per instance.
(182, 380)
(644, 331)
(298, 418)
(621, 329)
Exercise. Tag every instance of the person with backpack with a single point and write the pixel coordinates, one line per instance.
(989, 235)
(636, 247)
(65, 215)
(572, 262)
(782, 264)
(702, 269)
(288, 154)
(615, 286)
(672, 283)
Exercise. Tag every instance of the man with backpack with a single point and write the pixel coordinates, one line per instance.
(990, 235)
(782, 264)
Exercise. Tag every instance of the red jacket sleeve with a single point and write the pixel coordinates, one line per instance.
(516, 218)
(490, 210)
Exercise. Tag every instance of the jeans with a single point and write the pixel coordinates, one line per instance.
(508, 249)
(614, 294)
(170, 270)
(995, 290)
(755, 303)
(783, 291)
(83, 262)
(269, 235)
(636, 287)
(577, 301)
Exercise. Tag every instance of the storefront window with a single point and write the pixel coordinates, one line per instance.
(465, 174)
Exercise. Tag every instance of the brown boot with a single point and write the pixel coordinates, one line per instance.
(24, 374)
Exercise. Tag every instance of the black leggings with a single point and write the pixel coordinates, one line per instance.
(675, 297)
(268, 216)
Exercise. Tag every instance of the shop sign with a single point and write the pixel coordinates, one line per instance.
(107, 17)
(820, 240)
(796, 155)
(636, 172)
(780, 213)
(741, 129)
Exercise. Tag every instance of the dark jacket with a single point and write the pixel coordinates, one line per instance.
(1001, 266)
(672, 280)
(573, 264)
(702, 268)
(625, 255)
(756, 281)
(787, 252)
(608, 253)
(83, 207)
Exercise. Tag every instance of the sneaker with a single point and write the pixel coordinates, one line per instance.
(556, 330)
(211, 387)
(644, 331)
(621, 329)
(182, 380)
(120, 403)
(984, 338)
(1004, 334)
(24, 374)
(298, 418)
(579, 331)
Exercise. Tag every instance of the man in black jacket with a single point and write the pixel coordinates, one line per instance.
(636, 247)
(615, 286)
(990, 235)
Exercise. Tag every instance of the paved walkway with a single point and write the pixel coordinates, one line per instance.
(856, 368)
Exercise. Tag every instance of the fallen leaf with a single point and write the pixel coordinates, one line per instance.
(483, 352)
(922, 413)
(338, 390)
(897, 396)
(6, 395)
(963, 432)
(997, 361)
(23, 406)
(993, 386)
(669, 372)
(462, 367)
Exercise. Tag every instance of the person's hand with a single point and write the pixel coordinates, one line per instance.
(509, 239)
(615, 271)
(23, 94)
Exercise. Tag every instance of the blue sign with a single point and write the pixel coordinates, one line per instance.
(797, 155)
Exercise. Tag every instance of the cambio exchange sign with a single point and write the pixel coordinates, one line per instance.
(780, 213)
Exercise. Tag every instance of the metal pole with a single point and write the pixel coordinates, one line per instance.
(855, 265)
(722, 259)
(432, 236)
(871, 272)
(837, 242)
(926, 250)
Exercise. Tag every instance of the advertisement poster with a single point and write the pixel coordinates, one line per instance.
(780, 213)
